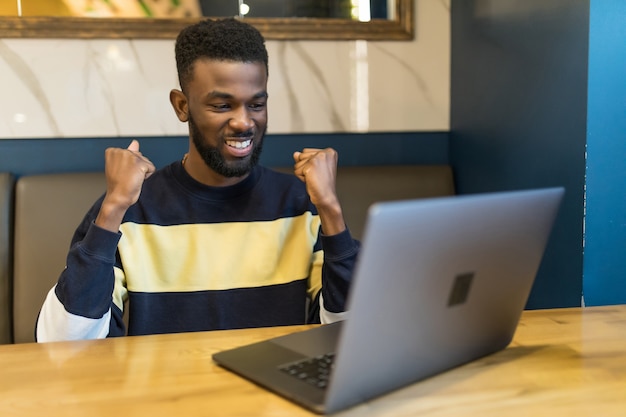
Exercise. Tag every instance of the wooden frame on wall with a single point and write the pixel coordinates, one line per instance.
(400, 28)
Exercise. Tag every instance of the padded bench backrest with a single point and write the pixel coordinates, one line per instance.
(6, 225)
(48, 208)
(358, 187)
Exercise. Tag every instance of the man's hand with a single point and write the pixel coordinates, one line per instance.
(125, 170)
(317, 168)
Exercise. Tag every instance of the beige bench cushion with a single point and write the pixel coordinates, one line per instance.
(358, 187)
(6, 222)
(48, 208)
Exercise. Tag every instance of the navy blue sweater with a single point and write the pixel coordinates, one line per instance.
(190, 257)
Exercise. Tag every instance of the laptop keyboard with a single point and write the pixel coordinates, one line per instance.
(314, 371)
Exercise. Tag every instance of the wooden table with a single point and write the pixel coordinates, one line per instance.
(562, 362)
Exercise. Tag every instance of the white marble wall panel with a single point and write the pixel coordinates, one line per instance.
(91, 88)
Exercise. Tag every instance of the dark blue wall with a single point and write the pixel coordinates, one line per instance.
(605, 225)
(518, 117)
(37, 156)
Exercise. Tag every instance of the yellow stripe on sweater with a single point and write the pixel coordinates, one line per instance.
(199, 257)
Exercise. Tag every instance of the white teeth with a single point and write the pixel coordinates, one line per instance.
(239, 145)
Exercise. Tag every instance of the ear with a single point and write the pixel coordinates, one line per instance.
(179, 103)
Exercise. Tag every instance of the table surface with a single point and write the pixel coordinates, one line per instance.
(562, 362)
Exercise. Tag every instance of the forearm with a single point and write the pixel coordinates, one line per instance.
(331, 218)
(109, 219)
(111, 214)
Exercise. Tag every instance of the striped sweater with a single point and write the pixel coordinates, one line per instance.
(190, 257)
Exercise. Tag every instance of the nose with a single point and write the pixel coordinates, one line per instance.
(241, 120)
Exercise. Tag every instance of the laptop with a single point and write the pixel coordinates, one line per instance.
(438, 283)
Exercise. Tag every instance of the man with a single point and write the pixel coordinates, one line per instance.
(212, 241)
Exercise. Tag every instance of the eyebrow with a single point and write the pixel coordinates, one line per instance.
(220, 94)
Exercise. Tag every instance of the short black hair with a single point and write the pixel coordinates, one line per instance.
(227, 39)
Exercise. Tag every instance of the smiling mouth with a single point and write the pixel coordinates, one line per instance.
(237, 144)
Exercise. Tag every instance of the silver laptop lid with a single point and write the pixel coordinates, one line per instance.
(439, 282)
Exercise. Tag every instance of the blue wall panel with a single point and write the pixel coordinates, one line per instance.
(605, 226)
(38, 156)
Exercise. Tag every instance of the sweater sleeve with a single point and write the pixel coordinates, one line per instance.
(340, 253)
(80, 305)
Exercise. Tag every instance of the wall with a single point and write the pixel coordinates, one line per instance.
(518, 117)
(605, 224)
(65, 101)
(116, 87)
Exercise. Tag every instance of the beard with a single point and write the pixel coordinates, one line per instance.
(214, 159)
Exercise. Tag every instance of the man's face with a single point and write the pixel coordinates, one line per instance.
(228, 114)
